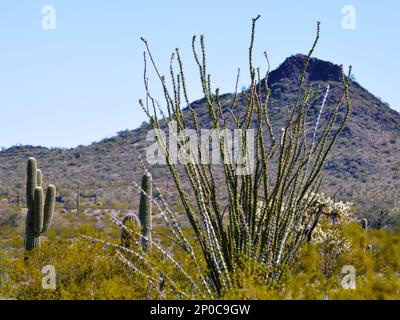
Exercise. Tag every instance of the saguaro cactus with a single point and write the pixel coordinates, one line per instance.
(131, 221)
(18, 199)
(364, 224)
(78, 198)
(40, 209)
(145, 210)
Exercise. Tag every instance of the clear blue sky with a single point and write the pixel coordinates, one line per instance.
(80, 82)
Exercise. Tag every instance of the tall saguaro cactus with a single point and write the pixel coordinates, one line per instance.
(78, 198)
(18, 199)
(145, 210)
(40, 209)
(364, 224)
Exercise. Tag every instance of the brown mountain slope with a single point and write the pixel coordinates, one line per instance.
(364, 167)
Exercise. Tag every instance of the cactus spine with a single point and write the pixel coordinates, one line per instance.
(145, 210)
(40, 209)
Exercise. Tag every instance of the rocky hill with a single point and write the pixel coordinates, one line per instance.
(364, 167)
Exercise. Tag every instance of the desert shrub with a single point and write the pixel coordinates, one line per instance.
(10, 216)
(91, 270)
(84, 271)
(376, 271)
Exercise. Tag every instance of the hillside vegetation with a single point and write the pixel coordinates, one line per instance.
(89, 271)
(315, 216)
(364, 166)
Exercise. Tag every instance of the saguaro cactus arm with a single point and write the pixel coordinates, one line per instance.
(39, 178)
(38, 211)
(49, 207)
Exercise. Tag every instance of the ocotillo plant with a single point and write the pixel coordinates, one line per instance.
(130, 222)
(40, 210)
(145, 211)
(287, 164)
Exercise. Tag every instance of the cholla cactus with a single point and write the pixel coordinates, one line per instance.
(317, 202)
(40, 210)
(322, 205)
(339, 210)
(330, 237)
(332, 243)
(130, 222)
(318, 235)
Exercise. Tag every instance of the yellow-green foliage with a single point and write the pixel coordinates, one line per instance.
(87, 270)
(84, 271)
(375, 256)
